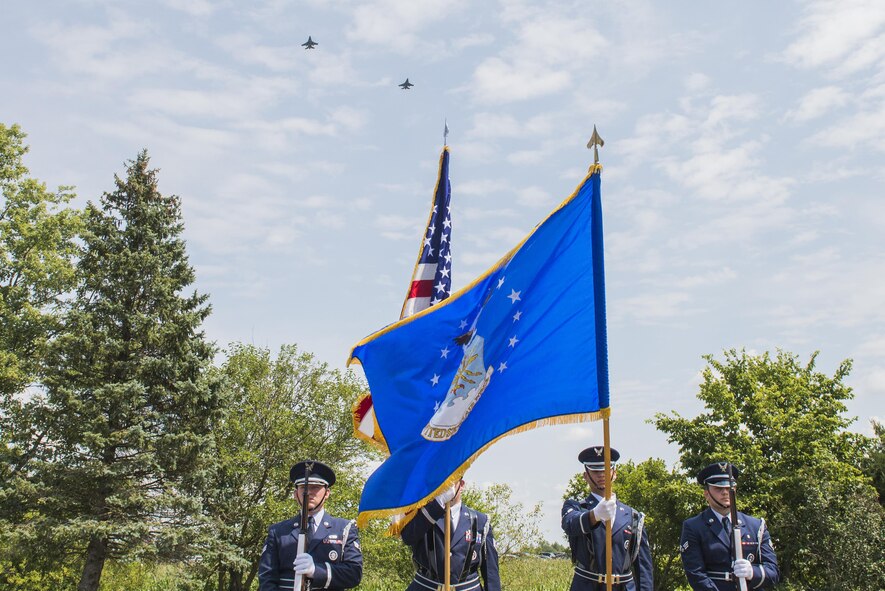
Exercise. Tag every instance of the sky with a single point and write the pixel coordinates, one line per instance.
(742, 188)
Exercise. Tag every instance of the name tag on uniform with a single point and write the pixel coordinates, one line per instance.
(332, 540)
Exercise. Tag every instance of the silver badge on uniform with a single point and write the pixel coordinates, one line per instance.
(750, 557)
(474, 555)
(333, 555)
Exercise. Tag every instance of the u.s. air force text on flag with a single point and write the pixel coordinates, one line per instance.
(522, 346)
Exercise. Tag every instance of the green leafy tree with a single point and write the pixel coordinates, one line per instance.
(874, 462)
(122, 423)
(37, 251)
(515, 527)
(667, 498)
(784, 424)
(280, 410)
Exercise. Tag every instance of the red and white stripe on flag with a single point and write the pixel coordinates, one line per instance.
(431, 283)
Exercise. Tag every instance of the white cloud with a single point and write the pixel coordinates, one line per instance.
(348, 118)
(239, 101)
(865, 128)
(120, 50)
(498, 81)
(712, 277)
(488, 125)
(696, 82)
(534, 197)
(200, 8)
(726, 109)
(818, 102)
(653, 307)
(248, 48)
(577, 432)
(481, 186)
(475, 40)
(874, 347)
(397, 227)
(247, 211)
(549, 46)
(397, 24)
(316, 202)
(846, 35)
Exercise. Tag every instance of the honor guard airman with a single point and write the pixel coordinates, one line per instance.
(332, 558)
(584, 524)
(707, 542)
(473, 550)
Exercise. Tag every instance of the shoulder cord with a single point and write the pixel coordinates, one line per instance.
(638, 526)
(759, 535)
(465, 569)
(345, 536)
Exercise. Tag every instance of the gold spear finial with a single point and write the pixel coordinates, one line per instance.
(595, 142)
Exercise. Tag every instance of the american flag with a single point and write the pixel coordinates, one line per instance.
(432, 278)
(431, 283)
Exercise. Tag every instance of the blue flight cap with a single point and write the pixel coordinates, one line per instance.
(319, 473)
(593, 458)
(717, 475)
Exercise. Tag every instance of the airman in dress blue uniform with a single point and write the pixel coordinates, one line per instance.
(584, 524)
(707, 540)
(473, 550)
(332, 558)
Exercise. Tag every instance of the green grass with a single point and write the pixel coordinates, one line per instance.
(517, 574)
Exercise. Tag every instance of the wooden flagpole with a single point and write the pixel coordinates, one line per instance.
(448, 561)
(608, 494)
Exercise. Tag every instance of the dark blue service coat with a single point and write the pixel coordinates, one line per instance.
(631, 554)
(335, 549)
(706, 552)
(472, 546)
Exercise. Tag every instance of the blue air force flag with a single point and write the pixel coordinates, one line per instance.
(522, 346)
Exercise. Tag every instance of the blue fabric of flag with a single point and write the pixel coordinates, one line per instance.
(522, 346)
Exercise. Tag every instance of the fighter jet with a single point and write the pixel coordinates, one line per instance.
(309, 44)
(406, 85)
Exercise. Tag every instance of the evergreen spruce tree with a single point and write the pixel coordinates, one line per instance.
(129, 393)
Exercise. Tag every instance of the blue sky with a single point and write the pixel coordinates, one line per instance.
(742, 188)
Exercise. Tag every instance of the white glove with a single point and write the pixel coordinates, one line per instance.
(447, 495)
(605, 510)
(304, 565)
(743, 569)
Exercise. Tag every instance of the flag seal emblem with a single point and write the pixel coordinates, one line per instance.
(469, 383)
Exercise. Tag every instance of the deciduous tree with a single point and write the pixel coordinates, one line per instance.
(279, 410)
(784, 424)
(37, 253)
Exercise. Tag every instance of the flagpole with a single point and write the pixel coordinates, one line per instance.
(608, 494)
(595, 142)
(448, 562)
